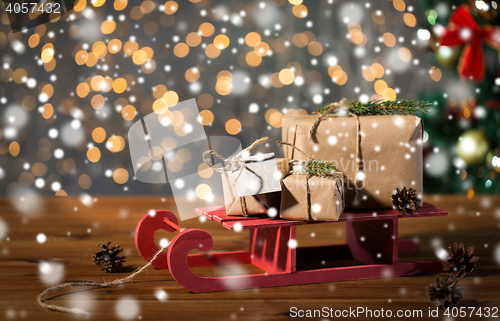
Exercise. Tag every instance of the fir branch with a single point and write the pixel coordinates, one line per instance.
(383, 107)
(320, 167)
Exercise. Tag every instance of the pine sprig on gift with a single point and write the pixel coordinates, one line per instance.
(320, 167)
(381, 107)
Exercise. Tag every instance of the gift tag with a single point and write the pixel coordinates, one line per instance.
(260, 175)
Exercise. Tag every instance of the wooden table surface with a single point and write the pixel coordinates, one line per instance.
(73, 230)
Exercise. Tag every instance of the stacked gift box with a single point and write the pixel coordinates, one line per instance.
(349, 155)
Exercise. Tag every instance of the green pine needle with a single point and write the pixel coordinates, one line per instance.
(381, 107)
(320, 167)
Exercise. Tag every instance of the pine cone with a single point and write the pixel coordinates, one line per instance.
(445, 292)
(108, 259)
(405, 201)
(460, 261)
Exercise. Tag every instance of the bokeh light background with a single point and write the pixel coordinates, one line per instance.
(70, 89)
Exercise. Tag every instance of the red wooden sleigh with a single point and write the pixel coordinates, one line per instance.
(270, 251)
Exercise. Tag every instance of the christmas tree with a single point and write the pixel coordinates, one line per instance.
(462, 131)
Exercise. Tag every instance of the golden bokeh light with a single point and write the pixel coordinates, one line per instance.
(118, 4)
(14, 148)
(47, 53)
(193, 39)
(181, 50)
(300, 40)
(170, 7)
(221, 41)
(389, 39)
(171, 98)
(39, 169)
(286, 76)
(114, 46)
(253, 59)
(206, 29)
(205, 101)
(26, 179)
(261, 49)
(252, 39)
(335, 72)
(85, 181)
(315, 48)
(276, 119)
(120, 176)
(80, 5)
(183, 155)
(100, 49)
(399, 5)
(212, 51)
(81, 57)
(275, 80)
(94, 154)
(224, 85)
(203, 191)
(108, 26)
(159, 91)
(378, 70)
(378, 17)
(34, 40)
(99, 134)
(369, 73)
(389, 94)
(410, 19)
(139, 57)
(115, 144)
(160, 107)
(206, 117)
(435, 74)
(192, 74)
(130, 47)
(47, 111)
(174, 165)
(233, 126)
(91, 59)
(380, 86)
(82, 90)
(205, 171)
(97, 101)
(119, 85)
(342, 79)
(300, 11)
(129, 112)
(97, 3)
(404, 54)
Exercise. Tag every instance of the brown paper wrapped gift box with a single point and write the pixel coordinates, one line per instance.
(389, 149)
(253, 204)
(326, 199)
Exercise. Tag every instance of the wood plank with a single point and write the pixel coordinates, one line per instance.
(472, 221)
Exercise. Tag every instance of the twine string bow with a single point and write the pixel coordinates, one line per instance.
(333, 112)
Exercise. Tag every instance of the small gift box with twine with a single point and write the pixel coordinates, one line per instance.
(313, 190)
(251, 184)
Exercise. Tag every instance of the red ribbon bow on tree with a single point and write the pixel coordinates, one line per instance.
(463, 29)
